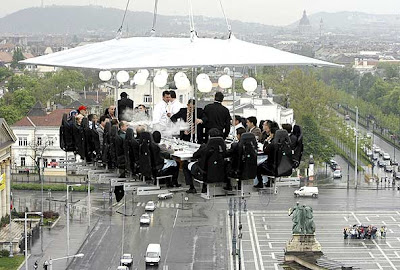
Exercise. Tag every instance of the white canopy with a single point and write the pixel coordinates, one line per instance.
(161, 52)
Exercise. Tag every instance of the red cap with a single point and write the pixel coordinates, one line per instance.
(82, 108)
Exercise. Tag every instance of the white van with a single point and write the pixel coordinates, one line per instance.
(306, 191)
(153, 254)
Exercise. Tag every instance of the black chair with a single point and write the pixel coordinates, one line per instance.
(131, 148)
(113, 146)
(67, 142)
(106, 145)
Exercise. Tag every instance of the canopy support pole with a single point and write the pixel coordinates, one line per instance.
(233, 103)
(195, 106)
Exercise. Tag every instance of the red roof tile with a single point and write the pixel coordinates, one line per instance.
(53, 119)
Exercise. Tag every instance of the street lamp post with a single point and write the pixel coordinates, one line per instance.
(26, 236)
(80, 255)
(356, 156)
(11, 239)
(88, 205)
(74, 185)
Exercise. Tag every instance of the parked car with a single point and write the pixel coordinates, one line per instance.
(165, 196)
(388, 168)
(381, 153)
(338, 168)
(375, 156)
(386, 156)
(347, 117)
(145, 219)
(150, 206)
(369, 152)
(369, 135)
(377, 149)
(397, 175)
(153, 254)
(306, 191)
(126, 260)
(394, 163)
(337, 174)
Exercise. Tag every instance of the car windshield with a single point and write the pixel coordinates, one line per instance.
(150, 204)
(126, 257)
(152, 254)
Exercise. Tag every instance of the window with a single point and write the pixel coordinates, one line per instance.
(147, 99)
(181, 98)
(22, 161)
(23, 141)
(39, 141)
(45, 164)
(53, 163)
(50, 141)
(61, 163)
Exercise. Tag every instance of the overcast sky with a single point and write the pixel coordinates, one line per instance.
(273, 12)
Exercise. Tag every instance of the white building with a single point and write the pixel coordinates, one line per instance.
(7, 138)
(263, 109)
(38, 139)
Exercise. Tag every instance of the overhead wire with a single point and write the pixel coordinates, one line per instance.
(119, 32)
(226, 19)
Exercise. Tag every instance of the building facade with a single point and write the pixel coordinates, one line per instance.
(38, 142)
(7, 139)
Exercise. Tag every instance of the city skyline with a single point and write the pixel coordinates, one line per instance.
(254, 11)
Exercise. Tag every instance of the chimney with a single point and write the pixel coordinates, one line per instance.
(365, 62)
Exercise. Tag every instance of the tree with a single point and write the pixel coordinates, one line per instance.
(10, 113)
(5, 73)
(17, 56)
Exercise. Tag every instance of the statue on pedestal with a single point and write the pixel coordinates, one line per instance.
(303, 219)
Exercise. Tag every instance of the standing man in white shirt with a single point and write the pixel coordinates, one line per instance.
(160, 118)
(175, 105)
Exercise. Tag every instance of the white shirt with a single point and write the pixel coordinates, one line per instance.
(175, 106)
(160, 114)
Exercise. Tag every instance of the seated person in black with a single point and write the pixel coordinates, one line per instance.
(267, 167)
(191, 169)
(233, 154)
(164, 163)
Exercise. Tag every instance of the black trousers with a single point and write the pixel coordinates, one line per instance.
(174, 171)
(263, 169)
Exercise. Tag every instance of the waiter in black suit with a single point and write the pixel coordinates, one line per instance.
(188, 116)
(123, 104)
(217, 116)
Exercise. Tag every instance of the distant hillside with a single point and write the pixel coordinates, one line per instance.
(351, 20)
(95, 19)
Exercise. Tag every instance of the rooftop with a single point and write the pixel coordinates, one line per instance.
(52, 119)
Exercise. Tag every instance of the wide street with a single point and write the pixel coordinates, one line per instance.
(199, 236)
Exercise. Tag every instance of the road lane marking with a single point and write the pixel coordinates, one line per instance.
(257, 242)
(176, 216)
(177, 205)
(162, 204)
(367, 219)
(397, 254)
(359, 222)
(270, 245)
(252, 242)
(345, 218)
(384, 255)
(383, 222)
(372, 256)
(273, 255)
(379, 266)
(138, 204)
(389, 245)
(276, 266)
(393, 218)
(268, 236)
(391, 231)
(397, 212)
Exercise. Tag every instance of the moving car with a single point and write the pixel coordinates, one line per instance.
(145, 219)
(150, 206)
(153, 254)
(377, 149)
(386, 156)
(397, 176)
(337, 174)
(122, 267)
(375, 156)
(388, 168)
(381, 163)
(126, 260)
(307, 191)
(165, 196)
(394, 163)
(369, 152)
(347, 117)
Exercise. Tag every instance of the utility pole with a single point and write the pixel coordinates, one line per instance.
(356, 157)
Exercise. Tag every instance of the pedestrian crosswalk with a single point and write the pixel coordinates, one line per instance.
(161, 205)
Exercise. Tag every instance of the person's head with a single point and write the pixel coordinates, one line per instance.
(251, 122)
(261, 124)
(219, 97)
(142, 108)
(72, 113)
(157, 136)
(140, 129)
(111, 110)
(166, 96)
(82, 110)
(191, 104)
(238, 120)
(114, 122)
(79, 118)
(288, 127)
(239, 132)
(173, 95)
(123, 126)
(103, 120)
(273, 128)
(123, 95)
(214, 133)
(266, 126)
(93, 117)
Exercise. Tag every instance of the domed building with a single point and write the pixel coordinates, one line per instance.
(304, 24)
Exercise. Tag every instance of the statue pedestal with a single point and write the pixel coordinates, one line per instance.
(303, 243)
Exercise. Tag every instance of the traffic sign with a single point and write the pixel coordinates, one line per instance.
(129, 187)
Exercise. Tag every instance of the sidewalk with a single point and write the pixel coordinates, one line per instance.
(55, 241)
